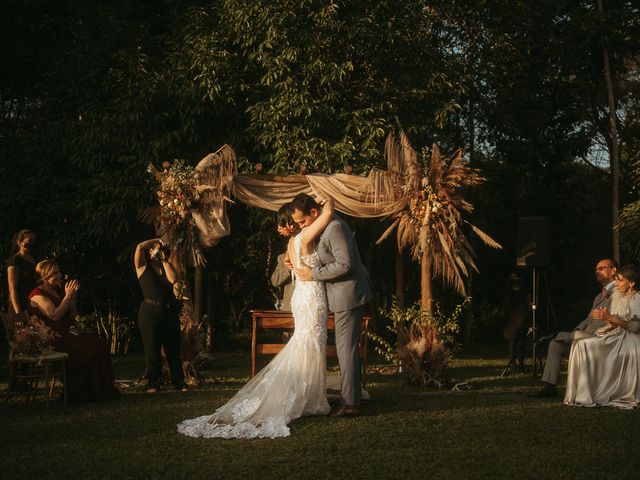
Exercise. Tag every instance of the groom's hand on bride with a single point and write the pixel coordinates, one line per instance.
(287, 261)
(304, 273)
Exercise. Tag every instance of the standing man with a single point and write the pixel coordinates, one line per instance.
(560, 346)
(348, 290)
(281, 279)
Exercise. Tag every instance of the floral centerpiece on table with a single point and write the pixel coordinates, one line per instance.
(34, 338)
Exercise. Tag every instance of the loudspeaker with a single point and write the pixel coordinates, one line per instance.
(533, 246)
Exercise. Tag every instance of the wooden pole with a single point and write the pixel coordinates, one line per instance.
(425, 281)
(198, 293)
(211, 308)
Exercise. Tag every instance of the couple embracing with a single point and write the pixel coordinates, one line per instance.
(328, 276)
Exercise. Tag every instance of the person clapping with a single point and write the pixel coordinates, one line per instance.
(89, 369)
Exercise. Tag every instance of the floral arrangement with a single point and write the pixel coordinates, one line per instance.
(35, 338)
(285, 231)
(425, 203)
(423, 342)
(177, 194)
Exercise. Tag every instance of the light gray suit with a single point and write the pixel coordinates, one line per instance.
(281, 278)
(560, 346)
(348, 290)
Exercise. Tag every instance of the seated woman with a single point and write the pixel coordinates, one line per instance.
(89, 371)
(605, 370)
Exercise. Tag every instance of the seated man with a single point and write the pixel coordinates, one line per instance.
(561, 344)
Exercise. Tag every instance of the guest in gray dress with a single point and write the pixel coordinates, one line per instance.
(605, 370)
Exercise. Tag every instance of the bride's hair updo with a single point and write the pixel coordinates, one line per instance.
(284, 221)
(45, 269)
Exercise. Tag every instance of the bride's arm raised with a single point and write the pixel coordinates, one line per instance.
(291, 250)
(313, 231)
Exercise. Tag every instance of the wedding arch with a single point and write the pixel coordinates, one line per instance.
(422, 195)
(424, 199)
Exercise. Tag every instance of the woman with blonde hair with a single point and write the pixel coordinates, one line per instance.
(89, 370)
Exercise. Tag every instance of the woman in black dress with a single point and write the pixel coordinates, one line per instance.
(158, 317)
(21, 272)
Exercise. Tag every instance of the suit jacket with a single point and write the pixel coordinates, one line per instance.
(590, 324)
(345, 278)
(281, 278)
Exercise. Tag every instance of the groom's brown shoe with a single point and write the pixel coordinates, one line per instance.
(345, 411)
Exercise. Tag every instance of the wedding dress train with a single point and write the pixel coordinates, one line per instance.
(293, 384)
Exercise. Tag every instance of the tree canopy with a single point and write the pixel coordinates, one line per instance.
(92, 92)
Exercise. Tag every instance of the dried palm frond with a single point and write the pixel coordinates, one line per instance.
(193, 344)
(429, 218)
(150, 215)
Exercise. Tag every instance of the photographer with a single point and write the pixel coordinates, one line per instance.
(158, 317)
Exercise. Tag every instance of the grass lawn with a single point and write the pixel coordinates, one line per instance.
(490, 431)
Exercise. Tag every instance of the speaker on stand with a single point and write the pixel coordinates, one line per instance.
(533, 250)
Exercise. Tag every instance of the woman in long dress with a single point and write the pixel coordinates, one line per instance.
(605, 370)
(89, 370)
(293, 384)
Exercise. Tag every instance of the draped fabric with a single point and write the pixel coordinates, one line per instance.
(379, 194)
(354, 195)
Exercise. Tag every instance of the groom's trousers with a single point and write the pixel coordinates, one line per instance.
(348, 331)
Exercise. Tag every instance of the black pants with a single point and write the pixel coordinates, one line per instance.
(160, 327)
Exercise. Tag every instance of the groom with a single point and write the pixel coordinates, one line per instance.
(348, 290)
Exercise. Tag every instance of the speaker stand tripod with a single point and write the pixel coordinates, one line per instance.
(535, 291)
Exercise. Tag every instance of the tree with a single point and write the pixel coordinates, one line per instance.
(429, 218)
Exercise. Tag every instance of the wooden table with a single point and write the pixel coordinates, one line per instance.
(281, 320)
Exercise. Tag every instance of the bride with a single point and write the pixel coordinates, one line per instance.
(293, 384)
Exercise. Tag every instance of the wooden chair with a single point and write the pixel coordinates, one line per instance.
(34, 369)
(279, 320)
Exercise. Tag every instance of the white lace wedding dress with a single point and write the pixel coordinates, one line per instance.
(293, 384)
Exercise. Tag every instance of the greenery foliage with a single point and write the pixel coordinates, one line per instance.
(423, 342)
(91, 92)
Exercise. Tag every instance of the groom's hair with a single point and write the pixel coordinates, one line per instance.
(304, 203)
